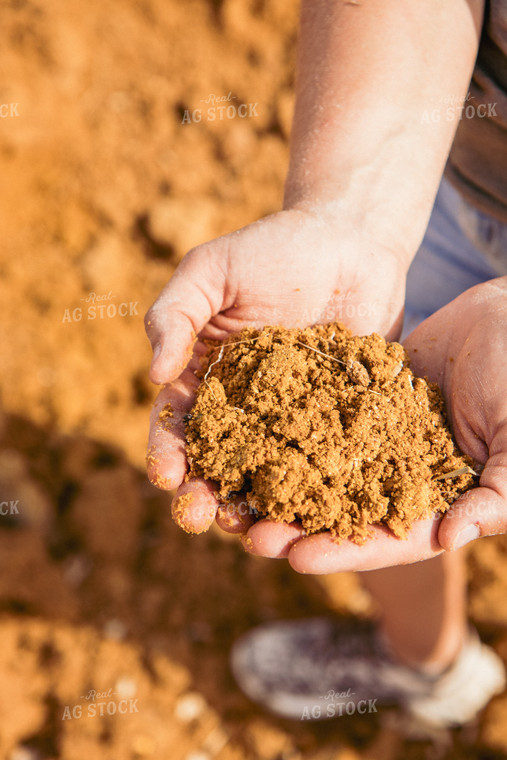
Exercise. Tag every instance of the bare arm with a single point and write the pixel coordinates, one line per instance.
(368, 71)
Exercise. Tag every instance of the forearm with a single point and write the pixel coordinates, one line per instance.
(367, 73)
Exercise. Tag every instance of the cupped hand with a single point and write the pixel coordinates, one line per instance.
(462, 347)
(295, 268)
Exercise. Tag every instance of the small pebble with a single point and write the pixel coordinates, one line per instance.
(358, 373)
(24, 753)
(190, 706)
(125, 687)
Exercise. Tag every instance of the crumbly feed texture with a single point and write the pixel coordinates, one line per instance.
(324, 427)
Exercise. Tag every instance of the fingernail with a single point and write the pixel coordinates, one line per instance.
(470, 533)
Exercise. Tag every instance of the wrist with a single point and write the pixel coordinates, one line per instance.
(359, 209)
(367, 277)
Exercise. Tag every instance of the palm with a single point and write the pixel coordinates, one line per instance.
(462, 347)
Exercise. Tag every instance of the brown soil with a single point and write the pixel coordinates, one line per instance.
(325, 427)
(103, 190)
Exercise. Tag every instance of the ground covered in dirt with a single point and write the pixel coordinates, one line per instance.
(104, 603)
(324, 427)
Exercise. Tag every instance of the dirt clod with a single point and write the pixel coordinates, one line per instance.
(325, 427)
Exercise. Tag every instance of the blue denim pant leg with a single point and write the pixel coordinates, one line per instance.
(455, 255)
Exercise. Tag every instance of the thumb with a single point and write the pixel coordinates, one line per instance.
(193, 295)
(483, 510)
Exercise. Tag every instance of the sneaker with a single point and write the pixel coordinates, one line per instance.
(317, 668)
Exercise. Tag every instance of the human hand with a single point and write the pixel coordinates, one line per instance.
(462, 347)
(295, 268)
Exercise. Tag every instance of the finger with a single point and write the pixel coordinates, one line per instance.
(427, 347)
(166, 458)
(235, 516)
(272, 539)
(483, 510)
(195, 505)
(192, 296)
(321, 554)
